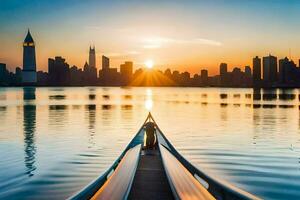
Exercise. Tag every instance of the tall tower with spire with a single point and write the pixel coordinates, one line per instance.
(29, 62)
(92, 57)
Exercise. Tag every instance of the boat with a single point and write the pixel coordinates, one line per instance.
(158, 173)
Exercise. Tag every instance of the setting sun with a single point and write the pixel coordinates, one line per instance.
(149, 64)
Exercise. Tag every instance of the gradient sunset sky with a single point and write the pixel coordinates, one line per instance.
(183, 35)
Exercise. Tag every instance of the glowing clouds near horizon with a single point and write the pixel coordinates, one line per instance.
(149, 64)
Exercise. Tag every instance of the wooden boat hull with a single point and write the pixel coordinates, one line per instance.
(204, 186)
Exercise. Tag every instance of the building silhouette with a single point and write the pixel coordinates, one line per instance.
(105, 63)
(248, 71)
(59, 71)
(109, 76)
(284, 70)
(289, 73)
(266, 73)
(204, 77)
(29, 61)
(90, 69)
(18, 76)
(223, 74)
(90, 74)
(3, 74)
(256, 71)
(92, 57)
(77, 76)
(270, 70)
(126, 71)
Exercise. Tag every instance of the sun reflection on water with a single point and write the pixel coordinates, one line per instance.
(149, 102)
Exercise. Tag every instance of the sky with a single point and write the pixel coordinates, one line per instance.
(182, 35)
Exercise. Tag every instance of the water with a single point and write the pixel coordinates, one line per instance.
(54, 141)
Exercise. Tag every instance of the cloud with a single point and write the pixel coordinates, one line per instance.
(158, 42)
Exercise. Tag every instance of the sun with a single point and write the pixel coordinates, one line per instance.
(149, 64)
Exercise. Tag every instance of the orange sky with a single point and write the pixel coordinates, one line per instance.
(187, 37)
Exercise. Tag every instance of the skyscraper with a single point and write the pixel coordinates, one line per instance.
(105, 63)
(256, 71)
(59, 71)
(223, 74)
(92, 57)
(283, 70)
(270, 69)
(288, 72)
(29, 61)
(126, 70)
(3, 73)
(204, 77)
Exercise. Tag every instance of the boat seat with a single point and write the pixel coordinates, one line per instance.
(184, 186)
(119, 184)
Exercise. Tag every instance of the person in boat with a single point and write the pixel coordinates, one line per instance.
(150, 135)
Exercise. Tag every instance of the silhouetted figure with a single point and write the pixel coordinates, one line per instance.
(150, 133)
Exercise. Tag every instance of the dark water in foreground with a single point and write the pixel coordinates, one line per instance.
(54, 141)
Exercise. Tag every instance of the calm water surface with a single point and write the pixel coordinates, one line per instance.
(54, 141)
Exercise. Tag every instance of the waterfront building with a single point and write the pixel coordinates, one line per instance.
(91, 70)
(270, 70)
(29, 61)
(289, 73)
(3, 74)
(18, 75)
(92, 57)
(223, 74)
(105, 63)
(204, 77)
(256, 71)
(126, 71)
(283, 70)
(59, 71)
(248, 71)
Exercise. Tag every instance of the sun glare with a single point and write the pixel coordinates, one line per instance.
(149, 64)
(149, 104)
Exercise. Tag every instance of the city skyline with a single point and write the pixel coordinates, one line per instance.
(93, 57)
(268, 72)
(203, 41)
